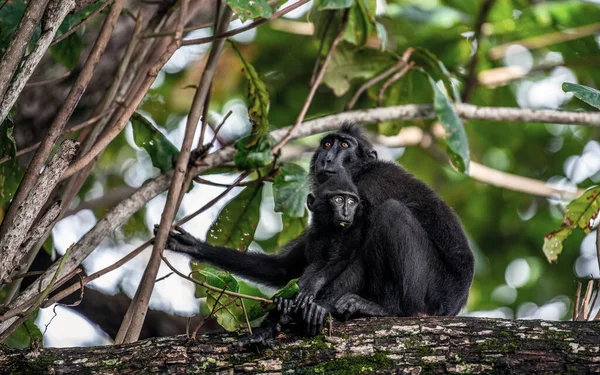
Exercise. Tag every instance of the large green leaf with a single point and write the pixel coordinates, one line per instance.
(589, 95)
(258, 97)
(24, 336)
(289, 291)
(290, 189)
(257, 156)
(227, 312)
(10, 171)
(250, 9)
(236, 224)
(580, 213)
(161, 150)
(456, 139)
(435, 68)
(348, 63)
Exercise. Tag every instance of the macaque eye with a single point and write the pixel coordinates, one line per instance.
(351, 201)
(338, 200)
(344, 144)
(327, 144)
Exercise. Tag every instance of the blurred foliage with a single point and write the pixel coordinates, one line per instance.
(503, 225)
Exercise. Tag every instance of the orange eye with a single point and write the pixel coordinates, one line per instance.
(344, 144)
(327, 144)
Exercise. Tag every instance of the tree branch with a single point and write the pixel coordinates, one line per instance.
(374, 345)
(20, 40)
(30, 208)
(54, 14)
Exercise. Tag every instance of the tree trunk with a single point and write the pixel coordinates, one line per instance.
(399, 345)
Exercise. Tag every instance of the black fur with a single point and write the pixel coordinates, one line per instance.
(415, 258)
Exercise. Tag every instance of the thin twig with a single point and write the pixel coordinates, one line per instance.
(586, 300)
(49, 81)
(313, 88)
(88, 122)
(164, 277)
(321, 46)
(393, 79)
(246, 315)
(244, 28)
(373, 81)
(81, 23)
(471, 78)
(213, 288)
(593, 304)
(577, 297)
(139, 304)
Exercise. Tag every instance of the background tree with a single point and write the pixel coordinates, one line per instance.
(475, 99)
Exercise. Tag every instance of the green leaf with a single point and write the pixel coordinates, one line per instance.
(161, 150)
(289, 291)
(456, 140)
(292, 228)
(580, 213)
(435, 68)
(290, 188)
(382, 35)
(583, 211)
(257, 156)
(236, 224)
(228, 310)
(589, 95)
(24, 336)
(250, 9)
(553, 243)
(348, 63)
(335, 4)
(10, 15)
(258, 96)
(68, 51)
(359, 25)
(10, 170)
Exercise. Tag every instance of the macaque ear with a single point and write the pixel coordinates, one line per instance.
(372, 154)
(310, 201)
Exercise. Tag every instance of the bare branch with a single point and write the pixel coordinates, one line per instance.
(65, 111)
(240, 30)
(139, 304)
(18, 44)
(81, 23)
(28, 211)
(54, 14)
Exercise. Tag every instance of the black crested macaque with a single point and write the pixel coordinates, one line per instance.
(333, 241)
(413, 260)
(415, 257)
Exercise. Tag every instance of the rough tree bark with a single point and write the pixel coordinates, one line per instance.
(376, 345)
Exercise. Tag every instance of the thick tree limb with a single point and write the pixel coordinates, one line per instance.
(121, 212)
(10, 251)
(382, 345)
